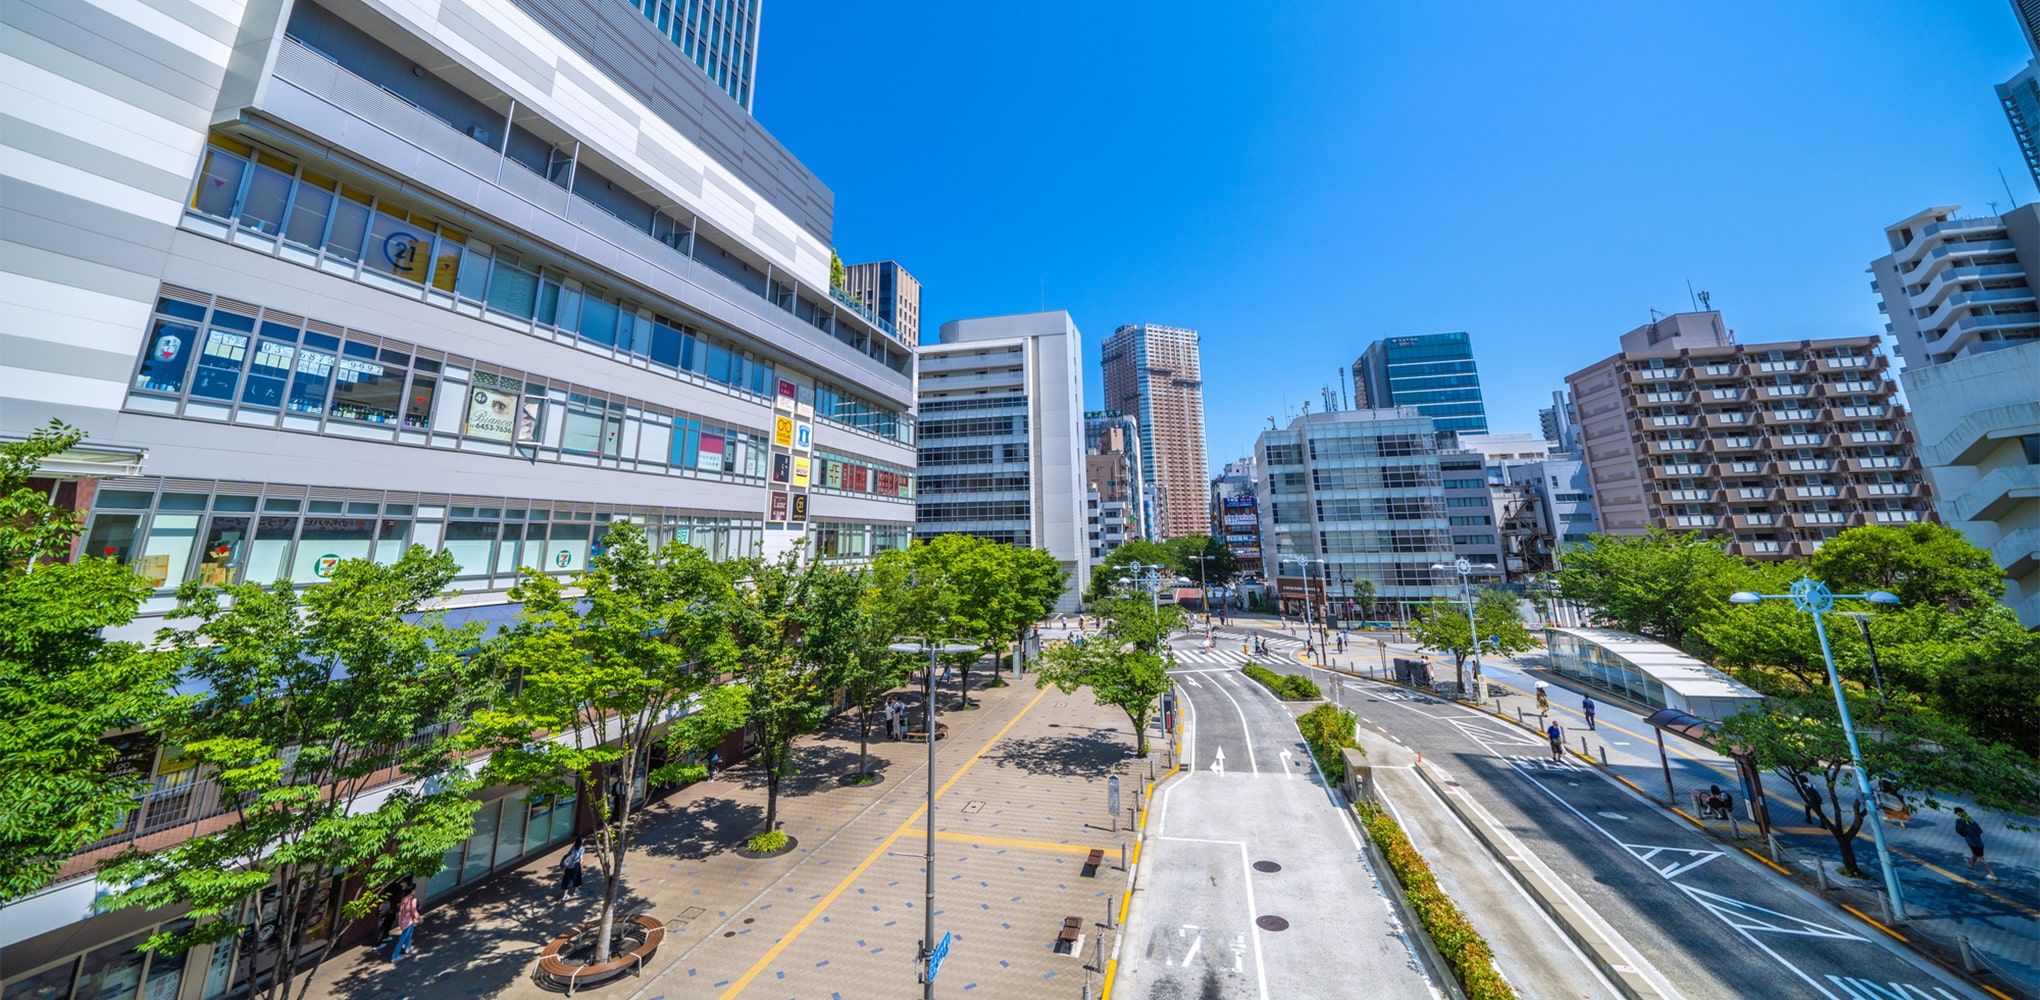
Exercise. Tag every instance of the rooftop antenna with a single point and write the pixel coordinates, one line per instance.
(1706, 301)
(1689, 295)
(2008, 187)
(1342, 388)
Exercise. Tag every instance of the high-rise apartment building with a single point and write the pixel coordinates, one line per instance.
(1154, 372)
(1111, 502)
(323, 280)
(1354, 495)
(1434, 372)
(890, 293)
(1979, 424)
(1953, 287)
(1002, 437)
(1776, 446)
(1236, 515)
(719, 36)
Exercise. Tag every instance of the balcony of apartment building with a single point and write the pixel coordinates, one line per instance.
(1754, 494)
(1679, 396)
(1797, 411)
(1767, 367)
(1758, 547)
(1675, 446)
(1687, 495)
(1854, 363)
(1796, 436)
(1776, 390)
(1842, 389)
(1690, 521)
(1959, 253)
(1727, 446)
(1647, 376)
(1814, 491)
(1969, 331)
(1746, 466)
(1900, 434)
(1644, 422)
(1887, 517)
(1717, 368)
(1894, 490)
(1879, 463)
(513, 164)
(1949, 280)
(1730, 419)
(1753, 521)
(1951, 304)
(1681, 470)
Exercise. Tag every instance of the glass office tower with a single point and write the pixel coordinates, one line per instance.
(1433, 372)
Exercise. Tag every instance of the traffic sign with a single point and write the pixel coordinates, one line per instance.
(1112, 795)
(935, 957)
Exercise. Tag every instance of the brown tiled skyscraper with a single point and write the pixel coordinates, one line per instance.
(1153, 372)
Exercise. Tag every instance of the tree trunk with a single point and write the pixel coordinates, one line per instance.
(864, 740)
(1846, 839)
(1140, 732)
(772, 794)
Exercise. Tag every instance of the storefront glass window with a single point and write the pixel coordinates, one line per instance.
(220, 361)
(418, 406)
(446, 262)
(448, 876)
(510, 835)
(269, 371)
(113, 536)
(512, 289)
(166, 970)
(219, 182)
(506, 553)
(368, 385)
(350, 225)
(568, 549)
(598, 319)
(113, 972)
(49, 984)
(392, 540)
(166, 554)
(398, 246)
(308, 213)
(269, 555)
(482, 846)
(314, 373)
(171, 346)
(263, 206)
(472, 544)
(325, 541)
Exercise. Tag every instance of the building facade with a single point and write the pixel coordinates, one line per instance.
(1471, 508)
(321, 281)
(1354, 495)
(892, 296)
(1236, 515)
(1002, 439)
(1560, 422)
(1954, 287)
(1113, 432)
(1979, 425)
(1775, 446)
(1154, 372)
(1434, 372)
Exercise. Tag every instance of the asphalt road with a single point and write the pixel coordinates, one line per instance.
(1200, 926)
(1710, 922)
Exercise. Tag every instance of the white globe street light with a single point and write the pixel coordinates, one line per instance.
(1466, 569)
(928, 732)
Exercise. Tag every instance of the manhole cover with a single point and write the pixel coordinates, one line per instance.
(1271, 923)
(1267, 866)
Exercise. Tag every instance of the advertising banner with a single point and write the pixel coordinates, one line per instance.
(802, 468)
(782, 431)
(786, 394)
(493, 407)
(528, 421)
(832, 474)
(710, 454)
(778, 511)
(803, 436)
(799, 507)
(857, 477)
(782, 468)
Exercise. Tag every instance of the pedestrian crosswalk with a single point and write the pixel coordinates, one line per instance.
(1225, 656)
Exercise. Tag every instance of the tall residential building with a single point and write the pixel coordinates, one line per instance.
(321, 280)
(1111, 432)
(1153, 372)
(1777, 446)
(1002, 438)
(1236, 515)
(719, 36)
(1354, 495)
(1434, 372)
(1952, 287)
(1979, 425)
(890, 293)
(1560, 422)
(1111, 502)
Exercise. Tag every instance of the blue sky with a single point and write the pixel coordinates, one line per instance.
(1298, 181)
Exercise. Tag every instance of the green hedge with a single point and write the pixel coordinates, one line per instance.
(1288, 687)
(1327, 729)
(1471, 958)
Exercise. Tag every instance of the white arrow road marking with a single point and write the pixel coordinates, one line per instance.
(1669, 866)
(1751, 917)
(1218, 762)
(1286, 772)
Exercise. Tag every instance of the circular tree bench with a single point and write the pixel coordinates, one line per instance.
(556, 973)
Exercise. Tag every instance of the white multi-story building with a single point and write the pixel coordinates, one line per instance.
(1002, 440)
(324, 279)
(1954, 287)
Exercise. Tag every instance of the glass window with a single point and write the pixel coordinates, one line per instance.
(219, 183)
(308, 213)
(665, 346)
(548, 300)
(474, 275)
(719, 363)
(598, 320)
(472, 544)
(113, 536)
(220, 361)
(568, 548)
(262, 208)
(448, 876)
(314, 372)
(166, 970)
(446, 262)
(169, 358)
(512, 289)
(654, 443)
(368, 387)
(113, 972)
(584, 432)
(569, 309)
(269, 556)
(510, 834)
(481, 846)
(398, 246)
(506, 553)
(392, 540)
(269, 370)
(418, 405)
(50, 984)
(350, 224)
(166, 552)
(325, 541)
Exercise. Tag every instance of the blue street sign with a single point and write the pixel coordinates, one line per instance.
(1112, 795)
(935, 959)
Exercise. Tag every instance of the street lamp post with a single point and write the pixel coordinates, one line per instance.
(1876, 674)
(1814, 598)
(1149, 577)
(928, 732)
(1465, 570)
(1203, 585)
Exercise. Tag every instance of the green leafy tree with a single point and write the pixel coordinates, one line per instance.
(1191, 552)
(991, 593)
(1363, 596)
(1921, 563)
(1659, 584)
(309, 704)
(63, 686)
(780, 603)
(1442, 625)
(1772, 635)
(1105, 576)
(850, 646)
(1123, 665)
(597, 676)
(1802, 740)
(836, 272)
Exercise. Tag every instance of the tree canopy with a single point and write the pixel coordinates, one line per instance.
(1659, 584)
(1442, 625)
(982, 591)
(1124, 664)
(1922, 563)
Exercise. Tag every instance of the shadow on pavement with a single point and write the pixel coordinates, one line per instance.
(1086, 755)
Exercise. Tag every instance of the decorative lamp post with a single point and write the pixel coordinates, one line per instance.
(1465, 570)
(1149, 577)
(1814, 598)
(928, 732)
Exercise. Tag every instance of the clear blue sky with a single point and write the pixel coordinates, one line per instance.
(1297, 181)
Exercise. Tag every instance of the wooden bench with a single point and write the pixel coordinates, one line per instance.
(1072, 929)
(1095, 862)
(552, 971)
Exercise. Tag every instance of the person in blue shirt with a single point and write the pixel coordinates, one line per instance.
(1557, 738)
(1587, 709)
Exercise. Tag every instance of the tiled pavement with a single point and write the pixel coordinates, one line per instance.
(842, 914)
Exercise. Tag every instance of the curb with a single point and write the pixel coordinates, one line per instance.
(1111, 970)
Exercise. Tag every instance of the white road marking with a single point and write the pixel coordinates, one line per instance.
(1245, 729)
(1218, 762)
(1260, 967)
(1864, 989)
(1286, 772)
(1195, 943)
(1613, 816)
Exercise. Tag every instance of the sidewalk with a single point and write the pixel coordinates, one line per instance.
(1021, 801)
(1945, 903)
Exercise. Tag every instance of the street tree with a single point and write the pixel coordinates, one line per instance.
(1190, 553)
(1922, 563)
(1363, 596)
(1923, 759)
(849, 645)
(63, 685)
(780, 602)
(992, 592)
(596, 678)
(1442, 625)
(1124, 665)
(1105, 576)
(307, 707)
(1659, 584)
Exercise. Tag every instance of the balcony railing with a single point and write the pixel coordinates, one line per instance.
(1809, 465)
(1752, 493)
(1872, 437)
(1887, 489)
(1800, 440)
(1864, 412)
(1816, 492)
(1696, 520)
(1718, 371)
(1818, 517)
(1666, 397)
(1782, 391)
(1894, 516)
(1801, 415)
(1745, 468)
(1680, 420)
(1878, 462)
(1781, 366)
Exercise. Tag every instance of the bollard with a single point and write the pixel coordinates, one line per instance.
(1151, 769)
(1109, 918)
(1115, 822)
(1099, 962)
(1969, 960)
(1583, 747)
(1604, 756)
(1132, 822)
(1884, 906)
(1122, 855)
(1772, 841)
(1820, 874)
(1087, 989)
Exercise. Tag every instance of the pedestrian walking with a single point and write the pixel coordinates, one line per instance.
(1557, 738)
(570, 869)
(386, 922)
(946, 669)
(1587, 709)
(714, 762)
(1342, 642)
(1543, 700)
(1971, 833)
(892, 719)
(407, 923)
(1809, 796)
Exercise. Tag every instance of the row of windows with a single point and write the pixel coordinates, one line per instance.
(1381, 446)
(1019, 537)
(222, 360)
(970, 482)
(1465, 484)
(1463, 520)
(1396, 478)
(1380, 509)
(928, 406)
(246, 531)
(1466, 501)
(325, 224)
(834, 540)
(855, 475)
(973, 510)
(976, 454)
(1473, 539)
(1382, 541)
(972, 426)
